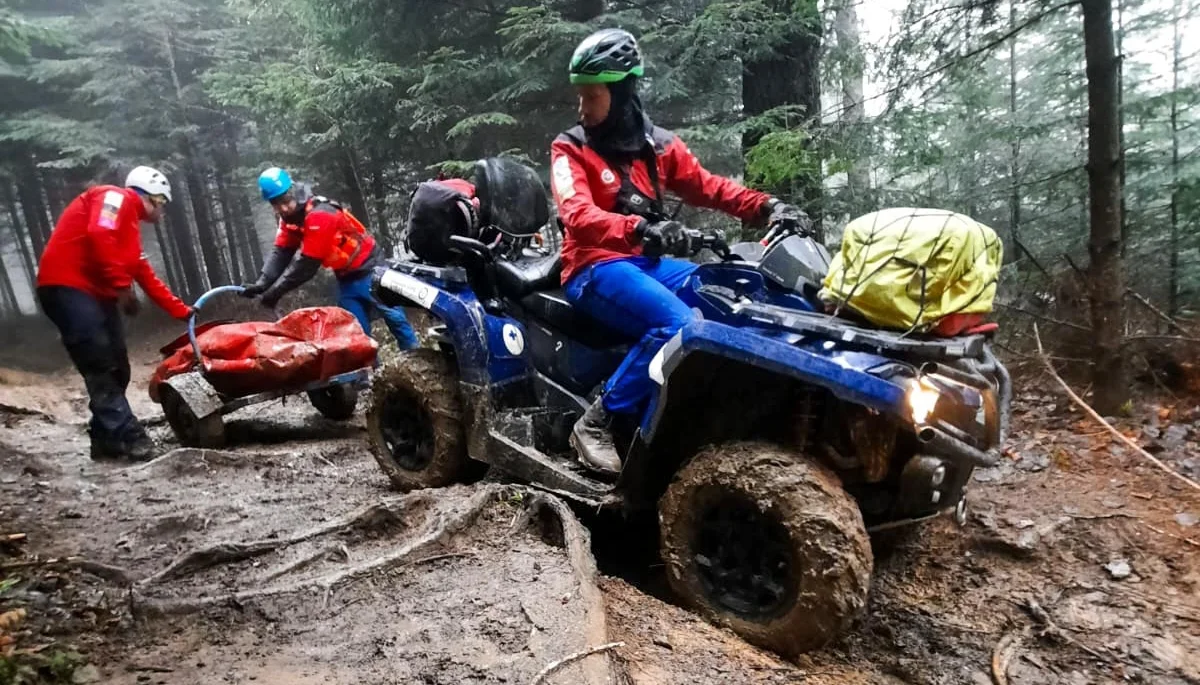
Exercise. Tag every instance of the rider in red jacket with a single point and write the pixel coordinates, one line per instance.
(608, 175)
(86, 273)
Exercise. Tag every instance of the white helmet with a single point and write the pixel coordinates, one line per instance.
(150, 181)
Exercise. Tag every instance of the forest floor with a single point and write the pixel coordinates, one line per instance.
(286, 559)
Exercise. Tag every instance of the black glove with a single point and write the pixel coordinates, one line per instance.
(271, 298)
(664, 237)
(782, 212)
(252, 290)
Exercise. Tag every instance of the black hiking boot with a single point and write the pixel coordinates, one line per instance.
(593, 440)
(142, 449)
(107, 449)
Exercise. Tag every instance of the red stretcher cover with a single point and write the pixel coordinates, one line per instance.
(306, 346)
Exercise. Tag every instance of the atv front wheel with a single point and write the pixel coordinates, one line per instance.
(766, 542)
(414, 422)
(335, 402)
(207, 432)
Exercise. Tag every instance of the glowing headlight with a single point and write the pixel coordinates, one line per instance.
(922, 398)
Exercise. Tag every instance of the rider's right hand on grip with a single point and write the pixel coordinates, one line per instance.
(664, 237)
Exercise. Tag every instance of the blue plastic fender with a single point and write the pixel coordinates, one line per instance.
(843, 373)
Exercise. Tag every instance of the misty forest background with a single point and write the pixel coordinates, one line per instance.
(1069, 127)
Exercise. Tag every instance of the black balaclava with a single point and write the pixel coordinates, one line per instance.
(623, 133)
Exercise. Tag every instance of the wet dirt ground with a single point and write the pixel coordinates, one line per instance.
(287, 559)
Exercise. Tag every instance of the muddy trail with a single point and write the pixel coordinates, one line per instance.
(287, 559)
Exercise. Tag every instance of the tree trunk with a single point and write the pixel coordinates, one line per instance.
(789, 76)
(231, 227)
(197, 187)
(1105, 272)
(20, 234)
(6, 289)
(1014, 169)
(180, 233)
(858, 179)
(34, 219)
(210, 246)
(1120, 37)
(1173, 257)
(54, 194)
(358, 202)
(241, 205)
(383, 234)
(169, 267)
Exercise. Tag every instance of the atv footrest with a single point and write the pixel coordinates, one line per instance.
(523, 442)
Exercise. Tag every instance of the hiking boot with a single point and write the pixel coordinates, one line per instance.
(107, 449)
(593, 440)
(142, 449)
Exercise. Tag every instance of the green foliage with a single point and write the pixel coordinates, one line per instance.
(781, 157)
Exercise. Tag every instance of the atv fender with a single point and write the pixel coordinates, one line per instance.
(197, 393)
(845, 374)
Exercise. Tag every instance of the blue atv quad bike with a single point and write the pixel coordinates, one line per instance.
(779, 436)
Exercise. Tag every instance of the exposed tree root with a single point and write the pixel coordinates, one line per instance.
(447, 524)
(545, 672)
(577, 541)
(386, 512)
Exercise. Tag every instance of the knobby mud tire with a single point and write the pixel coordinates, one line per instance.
(206, 433)
(821, 542)
(423, 383)
(335, 402)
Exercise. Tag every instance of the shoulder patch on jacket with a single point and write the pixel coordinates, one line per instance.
(110, 208)
(564, 180)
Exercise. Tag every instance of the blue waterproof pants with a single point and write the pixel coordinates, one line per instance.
(636, 296)
(354, 295)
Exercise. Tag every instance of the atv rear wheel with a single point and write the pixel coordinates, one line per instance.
(335, 402)
(414, 422)
(766, 542)
(207, 432)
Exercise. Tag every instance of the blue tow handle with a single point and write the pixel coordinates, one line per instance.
(191, 324)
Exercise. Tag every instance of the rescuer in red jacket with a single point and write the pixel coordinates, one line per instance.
(608, 174)
(325, 235)
(86, 273)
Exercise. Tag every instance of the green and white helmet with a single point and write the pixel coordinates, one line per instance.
(606, 56)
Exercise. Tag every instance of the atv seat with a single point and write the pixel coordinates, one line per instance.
(521, 278)
(552, 308)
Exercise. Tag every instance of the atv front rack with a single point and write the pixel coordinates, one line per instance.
(830, 328)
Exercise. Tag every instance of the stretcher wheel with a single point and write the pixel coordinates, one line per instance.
(336, 402)
(192, 431)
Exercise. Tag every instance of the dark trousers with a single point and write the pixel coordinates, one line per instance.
(92, 332)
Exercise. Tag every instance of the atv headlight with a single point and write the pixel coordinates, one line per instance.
(922, 400)
(966, 412)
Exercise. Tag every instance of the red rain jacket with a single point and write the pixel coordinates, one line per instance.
(586, 190)
(96, 247)
(329, 234)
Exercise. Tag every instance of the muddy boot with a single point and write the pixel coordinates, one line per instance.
(142, 449)
(593, 440)
(103, 449)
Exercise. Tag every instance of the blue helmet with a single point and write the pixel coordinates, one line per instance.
(273, 183)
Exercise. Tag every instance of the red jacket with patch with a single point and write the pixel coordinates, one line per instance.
(330, 234)
(96, 247)
(586, 190)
